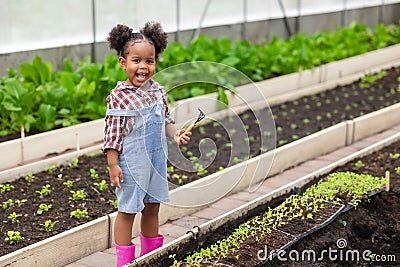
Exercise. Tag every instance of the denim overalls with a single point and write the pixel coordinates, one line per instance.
(143, 159)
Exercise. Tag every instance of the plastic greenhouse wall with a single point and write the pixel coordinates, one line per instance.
(55, 29)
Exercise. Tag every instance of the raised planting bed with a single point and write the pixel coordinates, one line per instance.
(243, 240)
(83, 173)
(276, 90)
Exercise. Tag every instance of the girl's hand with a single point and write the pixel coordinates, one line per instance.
(182, 137)
(116, 175)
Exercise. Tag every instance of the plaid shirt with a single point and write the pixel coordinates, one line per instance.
(128, 97)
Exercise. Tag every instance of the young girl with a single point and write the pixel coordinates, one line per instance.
(137, 122)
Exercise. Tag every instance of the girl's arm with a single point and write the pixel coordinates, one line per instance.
(115, 169)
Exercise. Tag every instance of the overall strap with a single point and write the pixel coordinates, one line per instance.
(122, 112)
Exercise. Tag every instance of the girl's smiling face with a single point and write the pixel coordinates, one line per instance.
(140, 62)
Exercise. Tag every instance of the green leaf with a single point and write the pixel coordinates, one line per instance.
(196, 91)
(43, 69)
(68, 67)
(230, 61)
(10, 106)
(67, 81)
(29, 73)
(47, 117)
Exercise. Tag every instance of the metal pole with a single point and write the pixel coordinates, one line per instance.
(381, 11)
(93, 50)
(297, 29)
(243, 26)
(197, 31)
(343, 17)
(285, 19)
(177, 20)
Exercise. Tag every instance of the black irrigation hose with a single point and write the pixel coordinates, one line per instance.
(303, 235)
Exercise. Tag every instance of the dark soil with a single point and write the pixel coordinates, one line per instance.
(373, 226)
(293, 120)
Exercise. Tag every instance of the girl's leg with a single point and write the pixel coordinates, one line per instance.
(123, 228)
(149, 220)
(149, 237)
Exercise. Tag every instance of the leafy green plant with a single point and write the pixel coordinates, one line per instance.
(114, 203)
(73, 164)
(78, 195)
(79, 214)
(6, 188)
(51, 169)
(29, 177)
(13, 237)
(43, 207)
(358, 164)
(102, 185)
(14, 217)
(199, 168)
(69, 183)
(49, 225)
(179, 178)
(44, 191)
(93, 173)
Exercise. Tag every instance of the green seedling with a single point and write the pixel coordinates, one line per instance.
(78, 195)
(93, 173)
(29, 178)
(6, 188)
(102, 185)
(179, 178)
(397, 169)
(52, 169)
(69, 183)
(45, 191)
(49, 225)
(358, 164)
(73, 164)
(13, 237)
(14, 217)
(43, 207)
(170, 169)
(114, 203)
(344, 223)
(79, 214)
(394, 155)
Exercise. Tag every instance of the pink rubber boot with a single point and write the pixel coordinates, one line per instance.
(149, 244)
(125, 254)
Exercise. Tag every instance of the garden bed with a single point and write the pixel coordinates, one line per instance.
(372, 226)
(97, 202)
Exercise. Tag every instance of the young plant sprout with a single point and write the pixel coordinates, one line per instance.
(93, 173)
(79, 214)
(73, 164)
(45, 191)
(6, 188)
(102, 185)
(49, 225)
(43, 207)
(13, 237)
(78, 195)
(69, 183)
(29, 177)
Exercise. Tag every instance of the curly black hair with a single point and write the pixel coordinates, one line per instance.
(152, 32)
